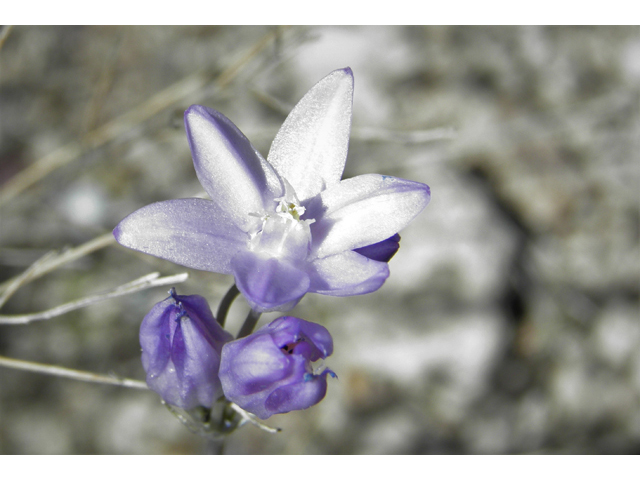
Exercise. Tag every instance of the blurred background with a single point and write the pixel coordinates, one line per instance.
(510, 322)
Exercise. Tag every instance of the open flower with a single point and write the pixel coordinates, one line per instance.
(181, 344)
(271, 370)
(287, 225)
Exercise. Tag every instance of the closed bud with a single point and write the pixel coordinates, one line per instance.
(181, 344)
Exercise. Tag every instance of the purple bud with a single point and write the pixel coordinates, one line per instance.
(271, 371)
(181, 344)
(382, 251)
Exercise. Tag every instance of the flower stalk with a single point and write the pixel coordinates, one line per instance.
(249, 324)
(225, 304)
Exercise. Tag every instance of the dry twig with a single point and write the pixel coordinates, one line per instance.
(142, 283)
(70, 373)
(54, 260)
(117, 127)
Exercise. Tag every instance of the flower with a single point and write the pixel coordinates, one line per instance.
(270, 371)
(287, 225)
(181, 344)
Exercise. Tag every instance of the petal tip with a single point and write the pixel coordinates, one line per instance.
(347, 70)
(119, 233)
(195, 110)
(424, 190)
(427, 191)
(209, 114)
(199, 111)
(347, 75)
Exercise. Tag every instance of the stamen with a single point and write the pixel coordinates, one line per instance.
(281, 232)
(289, 210)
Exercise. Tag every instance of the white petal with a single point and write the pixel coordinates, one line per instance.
(347, 273)
(230, 169)
(364, 210)
(310, 149)
(192, 232)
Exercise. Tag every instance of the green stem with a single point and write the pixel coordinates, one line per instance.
(225, 304)
(249, 323)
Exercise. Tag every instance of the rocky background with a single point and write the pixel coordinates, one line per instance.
(510, 322)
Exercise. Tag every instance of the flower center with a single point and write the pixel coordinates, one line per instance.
(282, 234)
(289, 210)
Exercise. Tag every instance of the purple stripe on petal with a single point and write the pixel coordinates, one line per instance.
(230, 169)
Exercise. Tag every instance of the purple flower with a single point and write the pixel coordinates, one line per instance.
(181, 344)
(287, 225)
(271, 371)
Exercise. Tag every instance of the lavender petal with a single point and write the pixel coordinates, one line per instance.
(230, 169)
(192, 232)
(268, 283)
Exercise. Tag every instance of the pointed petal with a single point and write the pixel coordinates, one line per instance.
(310, 149)
(268, 283)
(230, 169)
(347, 273)
(192, 232)
(364, 210)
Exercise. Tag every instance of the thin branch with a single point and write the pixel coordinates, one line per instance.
(366, 133)
(403, 136)
(104, 84)
(60, 258)
(142, 283)
(272, 101)
(25, 277)
(70, 373)
(124, 123)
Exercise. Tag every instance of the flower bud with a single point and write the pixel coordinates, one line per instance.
(181, 343)
(270, 371)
